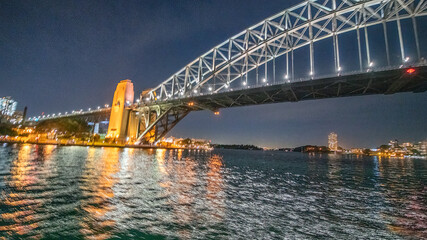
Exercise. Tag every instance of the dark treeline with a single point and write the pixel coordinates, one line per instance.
(7, 129)
(311, 148)
(236, 146)
(64, 125)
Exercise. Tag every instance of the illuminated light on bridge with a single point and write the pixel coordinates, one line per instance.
(410, 70)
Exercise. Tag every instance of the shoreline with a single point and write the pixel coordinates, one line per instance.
(103, 145)
(182, 148)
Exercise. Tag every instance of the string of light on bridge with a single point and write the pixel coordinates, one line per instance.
(68, 114)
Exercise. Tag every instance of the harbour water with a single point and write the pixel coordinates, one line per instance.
(111, 193)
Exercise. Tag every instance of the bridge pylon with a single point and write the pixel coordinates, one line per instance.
(120, 111)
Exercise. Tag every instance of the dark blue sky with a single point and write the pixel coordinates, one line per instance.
(57, 56)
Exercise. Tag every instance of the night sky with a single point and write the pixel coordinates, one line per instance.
(57, 56)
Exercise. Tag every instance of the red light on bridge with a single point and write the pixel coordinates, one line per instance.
(410, 70)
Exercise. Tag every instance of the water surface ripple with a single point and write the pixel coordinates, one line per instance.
(111, 193)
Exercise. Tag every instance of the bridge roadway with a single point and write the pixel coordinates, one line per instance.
(368, 83)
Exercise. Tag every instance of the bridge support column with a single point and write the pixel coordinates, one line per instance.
(159, 121)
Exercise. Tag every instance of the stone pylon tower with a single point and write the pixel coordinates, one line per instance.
(120, 108)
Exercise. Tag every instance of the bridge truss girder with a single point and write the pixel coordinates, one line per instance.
(386, 82)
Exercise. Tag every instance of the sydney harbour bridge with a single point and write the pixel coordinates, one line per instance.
(274, 61)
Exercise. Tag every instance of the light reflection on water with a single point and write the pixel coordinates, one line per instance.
(102, 193)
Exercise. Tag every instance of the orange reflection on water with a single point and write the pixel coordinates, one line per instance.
(183, 179)
(23, 175)
(98, 185)
(160, 157)
(214, 187)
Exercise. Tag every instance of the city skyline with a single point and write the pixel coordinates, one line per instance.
(95, 58)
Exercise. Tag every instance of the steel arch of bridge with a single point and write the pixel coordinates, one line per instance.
(291, 29)
(209, 82)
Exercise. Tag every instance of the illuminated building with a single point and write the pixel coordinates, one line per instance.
(185, 143)
(407, 145)
(356, 150)
(421, 147)
(123, 98)
(394, 143)
(333, 141)
(7, 106)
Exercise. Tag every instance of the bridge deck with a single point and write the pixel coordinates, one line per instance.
(384, 82)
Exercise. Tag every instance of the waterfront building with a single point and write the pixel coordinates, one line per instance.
(333, 141)
(356, 150)
(421, 147)
(393, 143)
(184, 143)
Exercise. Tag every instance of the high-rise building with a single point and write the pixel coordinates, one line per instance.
(421, 147)
(333, 141)
(7, 106)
